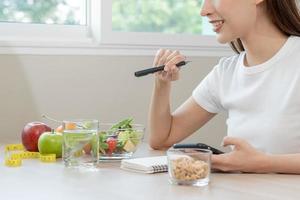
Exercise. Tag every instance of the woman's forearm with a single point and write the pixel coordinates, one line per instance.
(160, 118)
(287, 163)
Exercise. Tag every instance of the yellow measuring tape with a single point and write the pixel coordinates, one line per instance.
(14, 159)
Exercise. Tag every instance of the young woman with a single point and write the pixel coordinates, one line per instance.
(259, 87)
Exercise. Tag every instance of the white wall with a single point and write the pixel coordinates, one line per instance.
(101, 87)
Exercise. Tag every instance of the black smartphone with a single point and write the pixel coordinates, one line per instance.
(198, 145)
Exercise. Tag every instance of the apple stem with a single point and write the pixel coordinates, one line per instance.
(51, 119)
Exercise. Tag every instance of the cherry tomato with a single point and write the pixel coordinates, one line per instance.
(112, 144)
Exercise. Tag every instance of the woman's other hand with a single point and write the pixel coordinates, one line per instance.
(169, 59)
(243, 158)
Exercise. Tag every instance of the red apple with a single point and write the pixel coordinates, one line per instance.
(31, 133)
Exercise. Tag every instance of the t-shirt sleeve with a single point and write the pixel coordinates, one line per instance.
(207, 93)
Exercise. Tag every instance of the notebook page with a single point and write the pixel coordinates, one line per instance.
(144, 164)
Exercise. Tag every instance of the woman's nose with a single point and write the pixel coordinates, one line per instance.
(206, 8)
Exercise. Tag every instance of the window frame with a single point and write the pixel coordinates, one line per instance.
(149, 38)
(97, 38)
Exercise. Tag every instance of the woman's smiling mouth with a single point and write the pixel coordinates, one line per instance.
(217, 25)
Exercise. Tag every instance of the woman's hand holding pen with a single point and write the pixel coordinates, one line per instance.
(169, 59)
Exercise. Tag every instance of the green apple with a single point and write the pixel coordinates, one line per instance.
(50, 143)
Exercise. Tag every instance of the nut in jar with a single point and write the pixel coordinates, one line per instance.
(189, 166)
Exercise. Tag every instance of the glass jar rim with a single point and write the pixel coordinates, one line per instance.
(80, 120)
(196, 150)
(109, 125)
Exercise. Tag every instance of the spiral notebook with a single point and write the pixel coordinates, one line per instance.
(148, 165)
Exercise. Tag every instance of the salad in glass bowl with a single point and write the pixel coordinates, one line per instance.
(120, 140)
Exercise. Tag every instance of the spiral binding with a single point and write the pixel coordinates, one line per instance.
(159, 168)
(15, 159)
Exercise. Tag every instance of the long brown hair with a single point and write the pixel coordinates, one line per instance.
(285, 15)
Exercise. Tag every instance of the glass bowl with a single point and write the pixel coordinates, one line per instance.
(117, 143)
(189, 166)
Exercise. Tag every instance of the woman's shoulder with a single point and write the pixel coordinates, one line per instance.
(293, 45)
(230, 63)
(230, 60)
(295, 38)
(296, 41)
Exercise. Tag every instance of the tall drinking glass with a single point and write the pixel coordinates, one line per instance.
(80, 143)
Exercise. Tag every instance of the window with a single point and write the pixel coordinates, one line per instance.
(168, 16)
(168, 23)
(70, 12)
(40, 23)
(114, 26)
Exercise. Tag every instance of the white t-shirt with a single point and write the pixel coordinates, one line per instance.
(262, 101)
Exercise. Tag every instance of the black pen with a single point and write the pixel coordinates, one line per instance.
(157, 69)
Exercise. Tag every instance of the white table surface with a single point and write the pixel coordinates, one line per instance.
(36, 180)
